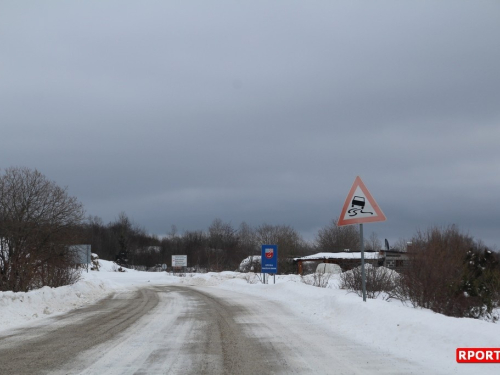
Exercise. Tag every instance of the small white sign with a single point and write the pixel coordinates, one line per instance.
(179, 260)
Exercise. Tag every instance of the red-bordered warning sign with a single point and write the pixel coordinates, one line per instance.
(360, 207)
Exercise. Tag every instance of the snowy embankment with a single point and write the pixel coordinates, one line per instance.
(18, 309)
(418, 335)
(415, 334)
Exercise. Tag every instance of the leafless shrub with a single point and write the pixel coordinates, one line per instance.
(436, 262)
(378, 280)
(56, 273)
(449, 274)
(319, 279)
(253, 278)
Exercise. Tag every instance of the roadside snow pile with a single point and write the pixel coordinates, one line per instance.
(207, 279)
(393, 275)
(108, 266)
(419, 335)
(321, 279)
(19, 308)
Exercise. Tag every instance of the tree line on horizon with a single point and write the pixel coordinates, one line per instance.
(221, 247)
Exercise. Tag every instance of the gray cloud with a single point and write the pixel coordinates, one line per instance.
(181, 112)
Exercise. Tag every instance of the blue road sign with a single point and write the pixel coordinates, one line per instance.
(269, 259)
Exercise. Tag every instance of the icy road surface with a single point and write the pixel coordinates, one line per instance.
(188, 330)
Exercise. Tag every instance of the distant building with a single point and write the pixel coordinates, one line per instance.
(346, 260)
(394, 259)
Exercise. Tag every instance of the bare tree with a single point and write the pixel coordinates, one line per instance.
(402, 245)
(333, 238)
(373, 242)
(247, 240)
(173, 233)
(123, 231)
(222, 250)
(38, 222)
(221, 235)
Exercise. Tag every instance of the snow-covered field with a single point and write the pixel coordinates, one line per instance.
(416, 334)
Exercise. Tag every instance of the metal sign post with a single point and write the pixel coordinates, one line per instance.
(360, 207)
(363, 273)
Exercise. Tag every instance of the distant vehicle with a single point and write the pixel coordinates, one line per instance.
(358, 201)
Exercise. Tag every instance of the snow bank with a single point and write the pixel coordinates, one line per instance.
(416, 334)
(19, 308)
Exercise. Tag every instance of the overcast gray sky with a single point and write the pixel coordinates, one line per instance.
(180, 112)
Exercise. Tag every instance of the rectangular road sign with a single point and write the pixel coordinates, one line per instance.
(179, 260)
(82, 253)
(269, 259)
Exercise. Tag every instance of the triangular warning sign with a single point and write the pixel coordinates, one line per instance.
(360, 207)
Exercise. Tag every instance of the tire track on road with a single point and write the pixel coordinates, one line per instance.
(40, 349)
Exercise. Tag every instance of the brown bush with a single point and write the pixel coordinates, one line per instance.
(440, 277)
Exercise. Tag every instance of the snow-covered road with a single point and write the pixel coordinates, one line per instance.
(189, 330)
(44, 347)
(215, 322)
